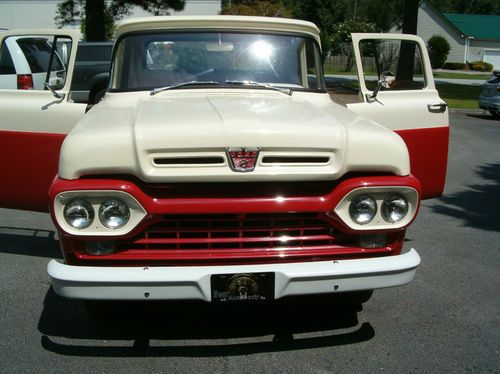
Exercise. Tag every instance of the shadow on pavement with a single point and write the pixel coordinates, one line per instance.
(479, 204)
(197, 329)
(187, 328)
(29, 242)
(484, 116)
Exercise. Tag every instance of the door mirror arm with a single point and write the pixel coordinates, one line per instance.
(53, 91)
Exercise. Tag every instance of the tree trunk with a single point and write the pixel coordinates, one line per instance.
(410, 17)
(406, 59)
(94, 21)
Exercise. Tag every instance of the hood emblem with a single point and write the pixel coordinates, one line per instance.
(242, 159)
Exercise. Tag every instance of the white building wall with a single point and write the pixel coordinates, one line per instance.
(15, 14)
(430, 23)
(192, 8)
(477, 48)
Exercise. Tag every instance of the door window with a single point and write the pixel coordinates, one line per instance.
(28, 62)
(400, 61)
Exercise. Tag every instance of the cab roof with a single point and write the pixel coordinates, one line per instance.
(242, 23)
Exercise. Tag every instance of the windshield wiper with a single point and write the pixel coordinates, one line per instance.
(287, 91)
(182, 84)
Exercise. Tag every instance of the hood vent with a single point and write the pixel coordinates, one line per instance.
(295, 160)
(184, 161)
(267, 160)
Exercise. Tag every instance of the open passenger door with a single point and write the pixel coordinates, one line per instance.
(398, 92)
(36, 70)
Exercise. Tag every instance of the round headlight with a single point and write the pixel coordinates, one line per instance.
(362, 209)
(114, 213)
(394, 208)
(79, 213)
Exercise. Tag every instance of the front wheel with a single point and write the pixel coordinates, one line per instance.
(495, 113)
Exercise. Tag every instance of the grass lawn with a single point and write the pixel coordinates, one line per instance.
(335, 72)
(456, 95)
(437, 74)
(459, 75)
(459, 95)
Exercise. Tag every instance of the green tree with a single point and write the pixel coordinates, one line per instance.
(98, 16)
(340, 40)
(381, 13)
(467, 6)
(266, 8)
(326, 14)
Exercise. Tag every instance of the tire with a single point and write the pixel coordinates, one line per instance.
(495, 113)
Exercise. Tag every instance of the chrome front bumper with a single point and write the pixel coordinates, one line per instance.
(193, 282)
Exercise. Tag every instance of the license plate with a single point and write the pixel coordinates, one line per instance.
(242, 287)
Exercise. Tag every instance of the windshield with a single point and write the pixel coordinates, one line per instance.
(145, 62)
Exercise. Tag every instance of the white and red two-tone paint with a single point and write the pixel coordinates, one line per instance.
(241, 179)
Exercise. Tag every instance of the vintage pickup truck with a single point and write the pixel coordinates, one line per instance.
(219, 168)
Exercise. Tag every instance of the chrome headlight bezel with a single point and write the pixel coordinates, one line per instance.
(378, 194)
(82, 208)
(362, 209)
(114, 213)
(392, 216)
(96, 198)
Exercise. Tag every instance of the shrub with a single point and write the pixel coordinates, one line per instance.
(480, 66)
(438, 50)
(454, 66)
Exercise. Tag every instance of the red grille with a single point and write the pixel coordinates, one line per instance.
(237, 231)
(239, 237)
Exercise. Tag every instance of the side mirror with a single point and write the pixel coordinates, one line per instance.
(384, 82)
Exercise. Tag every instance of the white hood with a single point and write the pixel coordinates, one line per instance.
(234, 120)
(306, 140)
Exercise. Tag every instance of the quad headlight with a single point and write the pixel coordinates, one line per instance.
(362, 209)
(79, 213)
(97, 212)
(378, 208)
(394, 208)
(114, 213)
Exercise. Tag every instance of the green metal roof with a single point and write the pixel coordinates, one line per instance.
(476, 25)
